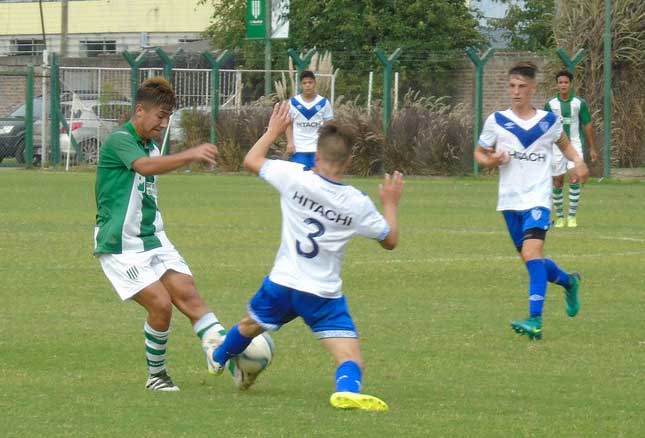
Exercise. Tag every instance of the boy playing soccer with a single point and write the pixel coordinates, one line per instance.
(309, 111)
(576, 119)
(320, 215)
(519, 141)
(129, 238)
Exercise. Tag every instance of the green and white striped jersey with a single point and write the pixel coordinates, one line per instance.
(127, 218)
(575, 115)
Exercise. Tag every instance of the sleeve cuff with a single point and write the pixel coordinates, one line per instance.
(384, 233)
(264, 169)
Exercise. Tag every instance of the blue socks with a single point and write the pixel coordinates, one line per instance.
(537, 286)
(555, 274)
(348, 377)
(234, 344)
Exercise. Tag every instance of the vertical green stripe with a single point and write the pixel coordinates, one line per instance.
(565, 108)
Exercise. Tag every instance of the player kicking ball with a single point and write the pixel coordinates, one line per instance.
(320, 215)
(519, 141)
(129, 239)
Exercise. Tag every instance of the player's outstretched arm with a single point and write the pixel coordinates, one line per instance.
(390, 193)
(488, 158)
(581, 172)
(278, 123)
(148, 166)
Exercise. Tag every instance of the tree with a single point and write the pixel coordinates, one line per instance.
(432, 35)
(528, 25)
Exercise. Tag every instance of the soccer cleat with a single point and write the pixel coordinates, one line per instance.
(161, 382)
(242, 379)
(210, 345)
(571, 222)
(571, 295)
(559, 223)
(531, 327)
(353, 400)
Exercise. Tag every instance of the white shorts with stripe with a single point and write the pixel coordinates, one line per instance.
(560, 165)
(129, 273)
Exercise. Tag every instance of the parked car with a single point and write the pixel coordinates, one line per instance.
(91, 122)
(12, 131)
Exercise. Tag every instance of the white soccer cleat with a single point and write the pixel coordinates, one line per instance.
(161, 382)
(210, 345)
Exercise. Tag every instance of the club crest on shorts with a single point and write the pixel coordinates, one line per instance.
(536, 214)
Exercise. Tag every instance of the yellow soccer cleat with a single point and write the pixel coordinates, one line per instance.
(559, 223)
(571, 222)
(352, 400)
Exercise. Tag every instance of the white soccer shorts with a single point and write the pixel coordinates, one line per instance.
(129, 273)
(560, 164)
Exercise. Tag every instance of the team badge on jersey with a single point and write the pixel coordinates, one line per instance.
(544, 125)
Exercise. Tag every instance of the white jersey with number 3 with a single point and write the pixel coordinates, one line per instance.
(525, 181)
(319, 218)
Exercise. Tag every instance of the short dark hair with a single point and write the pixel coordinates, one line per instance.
(155, 91)
(334, 142)
(566, 73)
(307, 74)
(524, 68)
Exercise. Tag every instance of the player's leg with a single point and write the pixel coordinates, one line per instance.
(575, 190)
(157, 302)
(132, 277)
(570, 283)
(558, 200)
(178, 280)
(269, 309)
(331, 323)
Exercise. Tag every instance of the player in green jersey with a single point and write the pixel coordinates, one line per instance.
(576, 121)
(129, 239)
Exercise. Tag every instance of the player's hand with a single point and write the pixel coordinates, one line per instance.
(392, 188)
(500, 157)
(593, 154)
(280, 119)
(580, 173)
(204, 153)
(291, 149)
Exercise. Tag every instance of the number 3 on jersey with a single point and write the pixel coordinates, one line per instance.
(311, 236)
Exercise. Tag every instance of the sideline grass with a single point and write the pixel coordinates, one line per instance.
(433, 317)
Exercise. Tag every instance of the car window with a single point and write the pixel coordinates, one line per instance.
(20, 112)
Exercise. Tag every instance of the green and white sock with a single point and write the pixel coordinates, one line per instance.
(574, 198)
(208, 327)
(155, 349)
(558, 202)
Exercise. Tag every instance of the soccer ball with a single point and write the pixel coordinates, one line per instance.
(257, 355)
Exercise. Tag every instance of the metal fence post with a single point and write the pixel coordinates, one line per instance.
(479, 94)
(570, 64)
(168, 62)
(134, 63)
(54, 108)
(301, 63)
(388, 62)
(216, 65)
(28, 152)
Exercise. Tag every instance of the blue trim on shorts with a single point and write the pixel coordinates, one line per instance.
(307, 159)
(274, 305)
(518, 222)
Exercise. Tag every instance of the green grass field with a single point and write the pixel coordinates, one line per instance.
(433, 317)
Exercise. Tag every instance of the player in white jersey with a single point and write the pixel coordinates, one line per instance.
(519, 142)
(308, 112)
(576, 119)
(129, 240)
(320, 215)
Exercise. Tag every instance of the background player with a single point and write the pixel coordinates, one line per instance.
(575, 119)
(130, 241)
(308, 112)
(519, 141)
(320, 215)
